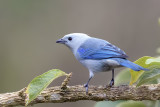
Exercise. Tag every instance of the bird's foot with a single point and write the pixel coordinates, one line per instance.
(111, 83)
(86, 86)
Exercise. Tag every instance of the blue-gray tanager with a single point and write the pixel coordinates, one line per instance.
(97, 55)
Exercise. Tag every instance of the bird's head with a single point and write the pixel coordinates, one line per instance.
(73, 40)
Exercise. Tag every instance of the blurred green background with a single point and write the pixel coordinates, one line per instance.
(29, 29)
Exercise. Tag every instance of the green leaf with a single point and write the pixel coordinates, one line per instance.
(136, 74)
(142, 77)
(153, 74)
(131, 104)
(149, 76)
(123, 77)
(153, 61)
(38, 84)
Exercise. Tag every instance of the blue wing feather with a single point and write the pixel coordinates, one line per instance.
(99, 49)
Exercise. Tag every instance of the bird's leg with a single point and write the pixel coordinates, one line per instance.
(86, 85)
(112, 80)
(91, 74)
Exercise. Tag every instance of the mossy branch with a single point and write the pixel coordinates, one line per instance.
(75, 93)
(64, 93)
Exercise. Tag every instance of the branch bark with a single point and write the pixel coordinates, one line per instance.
(75, 93)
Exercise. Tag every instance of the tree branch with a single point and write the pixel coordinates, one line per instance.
(76, 93)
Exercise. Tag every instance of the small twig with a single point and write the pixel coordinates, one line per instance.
(65, 82)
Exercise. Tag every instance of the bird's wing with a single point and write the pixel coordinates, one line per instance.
(99, 49)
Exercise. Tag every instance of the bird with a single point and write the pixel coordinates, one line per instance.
(97, 55)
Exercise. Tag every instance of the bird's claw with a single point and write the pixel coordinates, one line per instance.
(86, 87)
(111, 83)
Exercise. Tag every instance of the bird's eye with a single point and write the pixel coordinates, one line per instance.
(70, 38)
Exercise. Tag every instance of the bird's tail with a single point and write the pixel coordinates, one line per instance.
(129, 64)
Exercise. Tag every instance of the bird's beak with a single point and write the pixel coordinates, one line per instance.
(62, 41)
